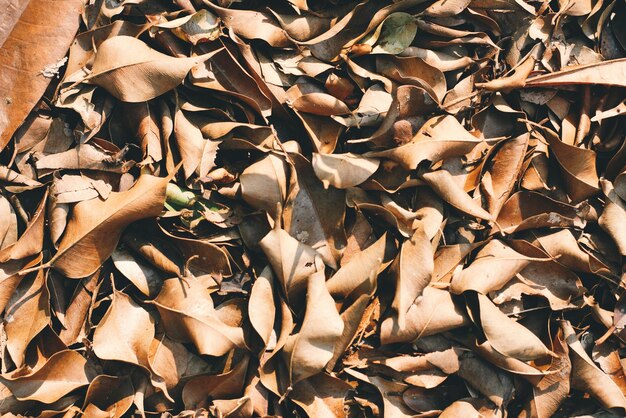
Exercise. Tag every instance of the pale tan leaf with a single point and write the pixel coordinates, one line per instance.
(508, 336)
(133, 72)
(343, 170)
(307, 352)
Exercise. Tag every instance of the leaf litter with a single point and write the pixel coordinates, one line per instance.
(328, 208)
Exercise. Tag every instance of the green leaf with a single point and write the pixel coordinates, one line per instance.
(398, 31)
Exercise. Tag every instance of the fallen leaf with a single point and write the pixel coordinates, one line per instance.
(23, 61)
(95, 226)
(321, 395)
(608, 72)
(264, 183)
(311, 214)
(189, 316)
(27, 313)
(412, 270)
(307, 351)
(261, 306)
(64, 372)
(135, 336)
(440, 138)
(435, 312)
(343, 170)
(508, 336)
(128, 68)
(110, 396)
(442, 183)
(587, 376)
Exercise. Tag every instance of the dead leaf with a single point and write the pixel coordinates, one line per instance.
(608, 72)
(64, 372)
(188, 315)
(587, 376)
(307, 351)
(440, 138)
(412, 270)
(435, 312)
(23, 60)
(128, 68)
(27, 313)
(95, 226)
(321, 395)
(508, 336)
(311, 214)
(343, 170)
(129, 343)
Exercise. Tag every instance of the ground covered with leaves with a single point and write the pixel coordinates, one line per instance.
(322, 208)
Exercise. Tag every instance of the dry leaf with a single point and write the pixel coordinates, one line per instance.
(392, 209)
(23, 61)
(140, 75)
(95, 226)
(307, 351)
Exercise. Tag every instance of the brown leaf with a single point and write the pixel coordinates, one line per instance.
(613, 218)
(72, 189)
(8, 223)
(197, 154)
(469, 408)
(313, 214)
(143, 124)
(508, 336)
(261, 308)
(578, 166)
(552, 390)
(321, 395)
(225, 385)
(133, 72)
(27, 313)
(587, 376)
(549, 279)
(30, 243)
(440, 138)
(146, 278)
(188, 315)
(292, 261)
(343, 170)
(393, 402)
(63, 372)
(307, 352)
(607, 357)
(531, 210)
(426, 371)
(412, 270)
(264, 183)
(253, 25)
(355, 284)
(95, 226)
(23, 78)
(76, 314)
(435, 312)
(495, 264)
(610, 72)
(320, 104)
(125, 332)
(489, 381)
(202, 26)
(173, 362)
(109, 396)
(502, 172)
(360, 273)
(442, 183)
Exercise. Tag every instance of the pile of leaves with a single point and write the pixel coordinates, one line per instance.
(327, 208)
